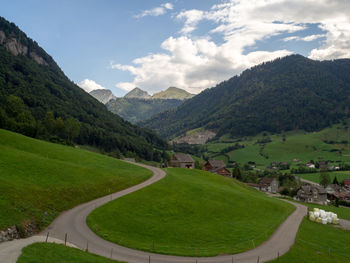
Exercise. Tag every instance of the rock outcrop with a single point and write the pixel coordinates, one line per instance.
(12, 45)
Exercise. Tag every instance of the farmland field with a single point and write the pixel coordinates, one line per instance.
(38, 180)
(318, 243)
(191, 212)
(53, 253)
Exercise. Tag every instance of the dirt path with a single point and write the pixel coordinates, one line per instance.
(73, 222)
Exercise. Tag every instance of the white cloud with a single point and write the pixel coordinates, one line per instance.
(306, 39)
(197, 62)
(89, 85)
(156, 11)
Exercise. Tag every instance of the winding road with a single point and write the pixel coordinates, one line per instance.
(73, 222)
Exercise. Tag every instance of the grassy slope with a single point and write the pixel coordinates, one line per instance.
(313, 243)
(298, 144)
(315, 177)
(38, 177)
(53, 253)
(190, 212)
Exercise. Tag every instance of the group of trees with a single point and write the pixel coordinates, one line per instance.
(16, 116)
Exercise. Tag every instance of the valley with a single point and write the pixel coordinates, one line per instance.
(174, 132)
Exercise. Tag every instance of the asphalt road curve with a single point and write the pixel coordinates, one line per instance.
(73, 223)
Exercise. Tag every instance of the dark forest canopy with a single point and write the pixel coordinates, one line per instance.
(286, 94)
(38, 100)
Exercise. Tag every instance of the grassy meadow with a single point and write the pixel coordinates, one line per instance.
(315, 177)
(38, 180)
(318, 243)
(301, 145)
(193, 213)
(54, 253)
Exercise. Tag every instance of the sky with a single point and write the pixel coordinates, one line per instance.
(189, 44)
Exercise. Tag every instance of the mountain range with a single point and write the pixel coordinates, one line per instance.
(38, 100)
(289, 93)
(138, 105)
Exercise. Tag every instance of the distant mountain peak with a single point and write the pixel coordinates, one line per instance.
(173, 93)
(137, 93)
(102, 95)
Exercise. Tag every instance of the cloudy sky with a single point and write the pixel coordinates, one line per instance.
(190, 44)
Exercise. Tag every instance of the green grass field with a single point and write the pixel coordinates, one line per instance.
(315, 177)
(191, 212)
(38, 180)
(54, 253)
(318, 243)
(305, 146)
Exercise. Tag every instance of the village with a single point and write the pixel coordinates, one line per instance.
(308, 192)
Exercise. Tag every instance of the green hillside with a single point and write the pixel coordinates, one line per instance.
(53, 253)
(191, 212)
(135, 110)
(330, 144)
(286, 94)
(38, 100)
(38, 180)
(318, 243)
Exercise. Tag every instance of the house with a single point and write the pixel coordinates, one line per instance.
(312, 194)
(333, 188)
(268, 185)
(311, 165)
(217, 167)
(346, 183)
(182, 160)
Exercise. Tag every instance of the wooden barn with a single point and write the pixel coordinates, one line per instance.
(182, 160)
(217, 167)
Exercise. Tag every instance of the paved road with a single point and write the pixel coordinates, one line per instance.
(73, 222)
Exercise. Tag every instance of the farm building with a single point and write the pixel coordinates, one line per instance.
(268, 185)
(182, 160)
(217, 167)
(312, 194)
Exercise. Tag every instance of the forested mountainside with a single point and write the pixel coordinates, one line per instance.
(289, 93)
(38, 100)
(135, 110)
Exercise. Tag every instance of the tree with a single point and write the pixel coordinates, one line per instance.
(237, 173)
(72, 128)
(197, 165)
(325, 179)
(335, 180)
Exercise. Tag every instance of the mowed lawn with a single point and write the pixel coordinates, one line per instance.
(54, 253)
(318, 243)
(38, 179)
(315, 177)
(193, 213)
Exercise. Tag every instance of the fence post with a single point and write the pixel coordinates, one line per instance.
(232, 260)
(278, 256)
(258, 259)
(65, 239)
(149, 259)
(111, 253)
(47, 236)
(87, 246)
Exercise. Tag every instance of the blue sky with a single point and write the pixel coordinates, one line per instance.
(191, 44)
